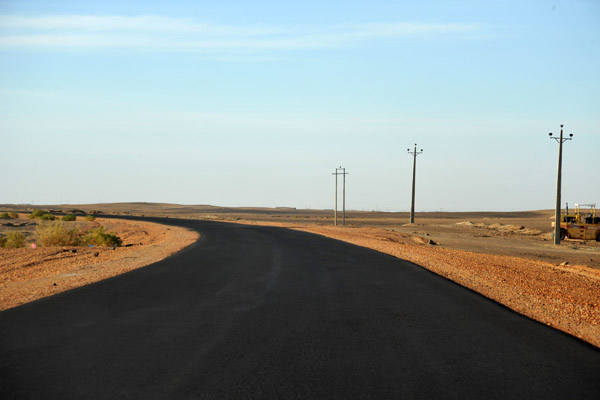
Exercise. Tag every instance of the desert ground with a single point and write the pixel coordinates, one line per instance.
(506, 256)
(27, 274)
(523, 234)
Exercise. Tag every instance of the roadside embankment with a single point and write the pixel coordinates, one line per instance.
(28, 274)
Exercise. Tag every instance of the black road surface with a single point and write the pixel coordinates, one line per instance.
(262, 312)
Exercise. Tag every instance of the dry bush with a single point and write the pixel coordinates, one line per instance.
(99, 237)
(7, 215)
(14, 240)
(37, 213)
(41, 214)
(56, 234)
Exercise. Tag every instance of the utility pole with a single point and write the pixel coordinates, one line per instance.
(414, 153)
(344, 197)
(560, 141)
(336, 196)
(336, 173)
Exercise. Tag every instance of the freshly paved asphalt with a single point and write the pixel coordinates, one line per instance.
(261, 312)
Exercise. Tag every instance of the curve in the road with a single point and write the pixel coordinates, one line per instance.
(263, 312)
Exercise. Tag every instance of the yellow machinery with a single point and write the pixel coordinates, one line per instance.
(583, 224)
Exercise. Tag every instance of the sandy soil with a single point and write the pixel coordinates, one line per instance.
(28, 274)
(507, 257)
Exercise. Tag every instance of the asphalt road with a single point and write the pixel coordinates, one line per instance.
(262, 312)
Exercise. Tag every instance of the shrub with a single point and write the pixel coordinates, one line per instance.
(15, 240)
(90, 218)
(41, 214)
(37, 213)
(56, 234)
(13, 215)
(99, 237)
(2, 240)
(4, 215)
(69, 217)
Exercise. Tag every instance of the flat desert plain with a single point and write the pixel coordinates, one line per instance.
(508, 257)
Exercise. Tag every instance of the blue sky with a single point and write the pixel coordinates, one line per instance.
(239, 103)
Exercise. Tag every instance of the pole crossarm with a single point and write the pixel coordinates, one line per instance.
(561, 141)
(340, 173)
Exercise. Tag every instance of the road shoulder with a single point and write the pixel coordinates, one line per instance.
(28, 274)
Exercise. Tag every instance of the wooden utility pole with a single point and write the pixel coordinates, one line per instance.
(336, 173)
(414, 153)
(344, 197)
(560, 141)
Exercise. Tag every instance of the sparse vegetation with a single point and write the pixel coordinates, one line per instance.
(50, 232)
(69, 217)
(14, 240)
(13, 215)
(42, 214)
(37, 213)
(99, 237)
(56, 234)
(4, 215)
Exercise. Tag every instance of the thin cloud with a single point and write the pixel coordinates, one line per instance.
(184, 34)
(144, 23)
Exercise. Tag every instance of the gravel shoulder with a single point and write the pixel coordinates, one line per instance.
(28, 274)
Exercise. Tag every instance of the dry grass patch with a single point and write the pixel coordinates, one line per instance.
(56, 233)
